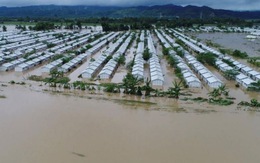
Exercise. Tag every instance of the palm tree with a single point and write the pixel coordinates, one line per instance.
(214, 94)
(254, 103)
(147, 87)
(175, 91)
(223, 90)
(130, 84)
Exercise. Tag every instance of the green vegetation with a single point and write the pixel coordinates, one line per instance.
(111, 87)
(88, 46)
(2, 96)
(254, 86)
(4, 28)
(219, 96)
(228, 62)
(175, 91)
(130, 84)
(146, 54)
(120, 60)
(207, 58)
(231, 74)
(55, 78)
(56, 57)
(253, 103)
(235, 53)
(147, 87)
(36, 78)
(254, 61)
(42, 26)
(239, 54)
(12, 82)
(165, 51)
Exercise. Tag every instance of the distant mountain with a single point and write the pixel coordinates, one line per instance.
(167, 11)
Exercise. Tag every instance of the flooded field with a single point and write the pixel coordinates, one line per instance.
(233, 41)
(39, 126)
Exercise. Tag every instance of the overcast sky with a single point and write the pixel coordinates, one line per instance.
(220, 4)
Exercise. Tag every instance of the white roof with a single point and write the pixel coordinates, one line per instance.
(241, 76)
(248, 81)
(246, 69)
(253, 73)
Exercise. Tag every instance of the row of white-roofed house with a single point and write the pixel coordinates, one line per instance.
(188, 75)
(96, 65)
(171, 41)
(68, 40)
(1, 60)
(96, 47)
(156, 74)
(4, 34)
(111, 49)
(80, 58)
(51, 66)
(247, 75)
(110, 68)
(142, 36)
(191, 45)
(244, 69)
(28, 63)
(203, 72)
(11, 65)
(41, 57)
(101, 39)
(73, 63)
(72, 44)
(138, 68)
(28, 39)
(28, 45)
(17, 45)
(208, 77)
(18, 40)
(101, 42)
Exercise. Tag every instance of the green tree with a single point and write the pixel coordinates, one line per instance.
(4, 28)
(130, 84)
(147, 87)
(207, 58)
(146, 54)
(231, 74)
(175, 91)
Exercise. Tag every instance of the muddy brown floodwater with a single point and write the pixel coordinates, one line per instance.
(41, 127)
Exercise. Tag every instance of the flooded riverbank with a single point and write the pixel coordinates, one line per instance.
(40, 126)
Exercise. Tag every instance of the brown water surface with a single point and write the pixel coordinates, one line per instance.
(37, 126)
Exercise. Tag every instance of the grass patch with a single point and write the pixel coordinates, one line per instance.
(2, 96)
(35, 78)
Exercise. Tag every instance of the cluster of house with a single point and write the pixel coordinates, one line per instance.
(247, 75)
(138, 68)
(94, 67)
(109, 69)
(27, 50)
(157, 77)
(79, 59)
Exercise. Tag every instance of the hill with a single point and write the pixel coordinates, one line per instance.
(168, 11)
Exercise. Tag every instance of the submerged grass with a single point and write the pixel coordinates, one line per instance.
(131, 102)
